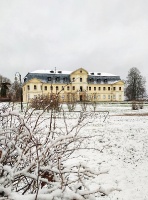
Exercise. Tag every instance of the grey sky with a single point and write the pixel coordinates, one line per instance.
(100, 35)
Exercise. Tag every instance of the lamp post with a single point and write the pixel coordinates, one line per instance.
(18, 77)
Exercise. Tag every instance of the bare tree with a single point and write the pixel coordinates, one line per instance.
(135, 85)
(4, 83)
(4, 80)
(15, 91)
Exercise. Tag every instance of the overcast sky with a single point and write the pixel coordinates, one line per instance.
(99, 35)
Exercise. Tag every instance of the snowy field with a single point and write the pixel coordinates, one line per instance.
(121, 143)
(126, 155)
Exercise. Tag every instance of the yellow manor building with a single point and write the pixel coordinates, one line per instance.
(78, 85)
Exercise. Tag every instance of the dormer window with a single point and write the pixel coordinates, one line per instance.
(92, 73)
(64, 79)
(57, 79)
(98, 73)
(105, 80)
(49, 78)
(59, 72)
(51, 71)
(98, 81)
(80, 71)
(91, 80)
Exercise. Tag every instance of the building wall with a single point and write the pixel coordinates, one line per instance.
(77, 89)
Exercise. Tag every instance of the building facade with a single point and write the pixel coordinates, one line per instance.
(79, 85)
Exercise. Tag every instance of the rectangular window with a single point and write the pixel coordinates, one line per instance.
(94, 88)
(98, 96)
(45, 88)
(51, 87)
(104, 96)
(108, 88)
(41, 87)
(67, 87)
(108, 96)
(28, 87)
(114, 88)
(120, 88)
(62, 87)
(99, 88)
(57, 88)
(35, 87)
(114, 96)
(104, 88)
(80, 79)
(89, 88)
(73, 87)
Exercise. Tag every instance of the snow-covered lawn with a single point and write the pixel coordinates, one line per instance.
(122, 143)
(127, 156)
(125, 132)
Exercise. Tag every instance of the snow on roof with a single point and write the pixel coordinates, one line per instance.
(101, 74)
(69, 72)
(51, 72)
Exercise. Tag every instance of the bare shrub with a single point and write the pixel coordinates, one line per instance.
(94, 105)
(135, 105)
(84, 105)
(41, 102)
(71, 106)
(36, 154)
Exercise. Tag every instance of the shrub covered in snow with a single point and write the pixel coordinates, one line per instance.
(35, 158)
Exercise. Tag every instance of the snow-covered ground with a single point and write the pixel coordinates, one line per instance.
(122, 143)
(126, 155)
